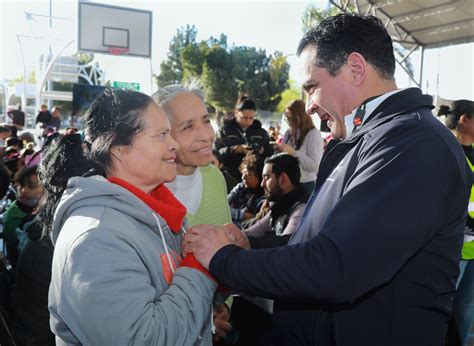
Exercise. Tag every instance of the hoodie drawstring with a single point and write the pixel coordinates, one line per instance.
(213, 326)
(168, 256)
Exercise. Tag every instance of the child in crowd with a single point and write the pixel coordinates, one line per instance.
(29, 192)
(246, 199)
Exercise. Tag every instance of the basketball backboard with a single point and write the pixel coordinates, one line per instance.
(114, 30)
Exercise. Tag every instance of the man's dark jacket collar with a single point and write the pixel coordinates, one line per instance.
(403, 102)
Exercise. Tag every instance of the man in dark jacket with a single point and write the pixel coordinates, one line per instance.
(375, 258)
(43, 117)
(55, 120)
(281, 182)
(239, 135)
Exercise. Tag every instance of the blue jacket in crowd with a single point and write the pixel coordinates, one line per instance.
(375, 258)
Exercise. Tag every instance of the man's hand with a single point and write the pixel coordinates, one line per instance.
(221, 321)
(204, 241)
(237, 236)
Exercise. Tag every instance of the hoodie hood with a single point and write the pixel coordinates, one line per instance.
(97, 191)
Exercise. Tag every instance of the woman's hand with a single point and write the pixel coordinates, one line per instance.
(285, 148)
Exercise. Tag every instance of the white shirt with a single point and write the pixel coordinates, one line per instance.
(369, 108)
(310, 154)
(188, 190)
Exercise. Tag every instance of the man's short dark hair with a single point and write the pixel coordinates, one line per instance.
(338, 36)
(285, 163)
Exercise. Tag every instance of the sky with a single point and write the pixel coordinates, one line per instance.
(271, 25)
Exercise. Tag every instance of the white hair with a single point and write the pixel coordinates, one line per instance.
(166, 94)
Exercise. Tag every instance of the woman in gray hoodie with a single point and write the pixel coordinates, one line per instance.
(117, 276)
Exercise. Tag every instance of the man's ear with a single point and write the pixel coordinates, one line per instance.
(358, 68)
(283, 179)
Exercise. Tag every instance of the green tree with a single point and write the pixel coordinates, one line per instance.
(225, 71)
(290, 94)
(171, 70)
(313, 15)
(84, 58)
(218, 79)
(31, 78)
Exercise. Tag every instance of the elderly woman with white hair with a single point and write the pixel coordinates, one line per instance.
(199, 185)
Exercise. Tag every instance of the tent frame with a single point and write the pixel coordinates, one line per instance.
(399, 34)
(412, 40)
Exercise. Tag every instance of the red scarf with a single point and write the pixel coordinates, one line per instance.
(161, 200)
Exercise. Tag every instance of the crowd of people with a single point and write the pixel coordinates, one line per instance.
(148, 226)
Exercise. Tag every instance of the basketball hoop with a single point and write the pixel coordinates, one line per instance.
(114, 30)
(117, 50)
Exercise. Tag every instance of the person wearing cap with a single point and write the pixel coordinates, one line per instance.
(376, 255)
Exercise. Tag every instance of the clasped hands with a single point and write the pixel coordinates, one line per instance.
(205, 240)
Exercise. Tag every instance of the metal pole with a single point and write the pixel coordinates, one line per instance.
(409, 75)
(50, 14)
(4, 87)
(42, 79)
(437, 78)
(50, 83)
(421, 65)
(23, 99)
(151, 78)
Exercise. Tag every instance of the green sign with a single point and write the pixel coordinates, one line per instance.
(126, 85)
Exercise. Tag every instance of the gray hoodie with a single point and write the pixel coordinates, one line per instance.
(108, 285)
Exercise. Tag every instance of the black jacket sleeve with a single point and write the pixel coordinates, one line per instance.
(269, 240)
(221, 147)
(395, 203)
